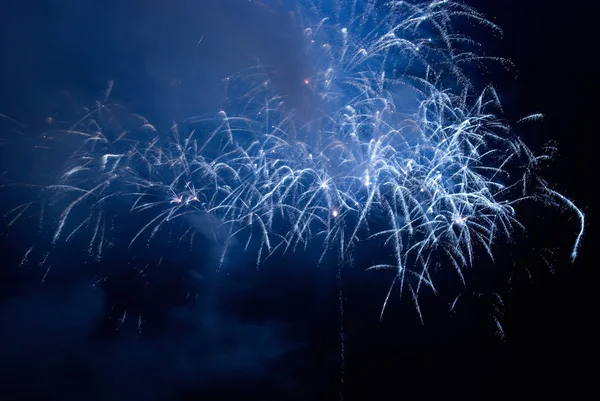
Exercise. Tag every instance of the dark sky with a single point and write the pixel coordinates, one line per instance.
(275, 333)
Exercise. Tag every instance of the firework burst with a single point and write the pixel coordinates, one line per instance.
(397, 132)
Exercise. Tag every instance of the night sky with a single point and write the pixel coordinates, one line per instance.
(191, 332)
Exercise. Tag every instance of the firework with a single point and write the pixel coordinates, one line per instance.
(398, 146)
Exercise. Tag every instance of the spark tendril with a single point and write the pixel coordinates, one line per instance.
(399, 147)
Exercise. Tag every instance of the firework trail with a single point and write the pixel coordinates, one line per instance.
(395, 144)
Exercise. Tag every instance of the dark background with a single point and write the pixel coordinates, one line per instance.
(275, 333)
